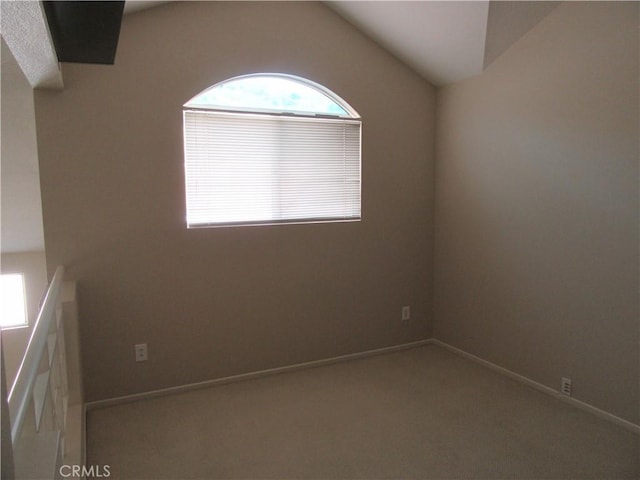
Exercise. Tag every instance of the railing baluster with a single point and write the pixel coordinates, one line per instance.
(38, 402)
(23, 387)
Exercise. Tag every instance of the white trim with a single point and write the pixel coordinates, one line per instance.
(632, 427)
(23, 386)
(251, 375)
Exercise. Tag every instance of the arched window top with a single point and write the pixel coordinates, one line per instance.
(272, 93)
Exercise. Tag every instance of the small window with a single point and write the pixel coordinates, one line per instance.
(12, 300)
(265, 149)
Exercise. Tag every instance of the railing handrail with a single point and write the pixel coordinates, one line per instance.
(19, 396)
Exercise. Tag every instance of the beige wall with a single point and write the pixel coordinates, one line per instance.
(33, 266)
(536, 264)
(216, 302)
(21, 236)
(20, 202)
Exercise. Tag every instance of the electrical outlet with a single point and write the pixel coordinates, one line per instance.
(565, 386)
(406, 312)
(141, 352)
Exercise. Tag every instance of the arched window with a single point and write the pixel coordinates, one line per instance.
(270, 148)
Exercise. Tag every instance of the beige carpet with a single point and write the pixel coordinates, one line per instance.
(421, 413)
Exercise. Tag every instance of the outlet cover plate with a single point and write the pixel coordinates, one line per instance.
(141, 352)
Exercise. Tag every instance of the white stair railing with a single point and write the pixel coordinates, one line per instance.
(38, 399)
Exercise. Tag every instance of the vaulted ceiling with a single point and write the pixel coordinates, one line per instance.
(443, 41)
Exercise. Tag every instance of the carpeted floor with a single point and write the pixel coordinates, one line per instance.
(423, 413)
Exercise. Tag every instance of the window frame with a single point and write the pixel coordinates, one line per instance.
(351, 117)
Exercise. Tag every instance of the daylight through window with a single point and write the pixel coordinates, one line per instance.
(264, 149)
(12, 300)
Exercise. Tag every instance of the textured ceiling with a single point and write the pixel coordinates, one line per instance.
(25, 32)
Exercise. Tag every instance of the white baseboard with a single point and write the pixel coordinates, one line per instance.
(251, 375)
(543, 388)
(369, 353)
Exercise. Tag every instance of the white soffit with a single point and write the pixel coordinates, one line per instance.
(441, 40)
(26, 33)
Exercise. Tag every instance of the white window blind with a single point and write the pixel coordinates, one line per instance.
(244, 168)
